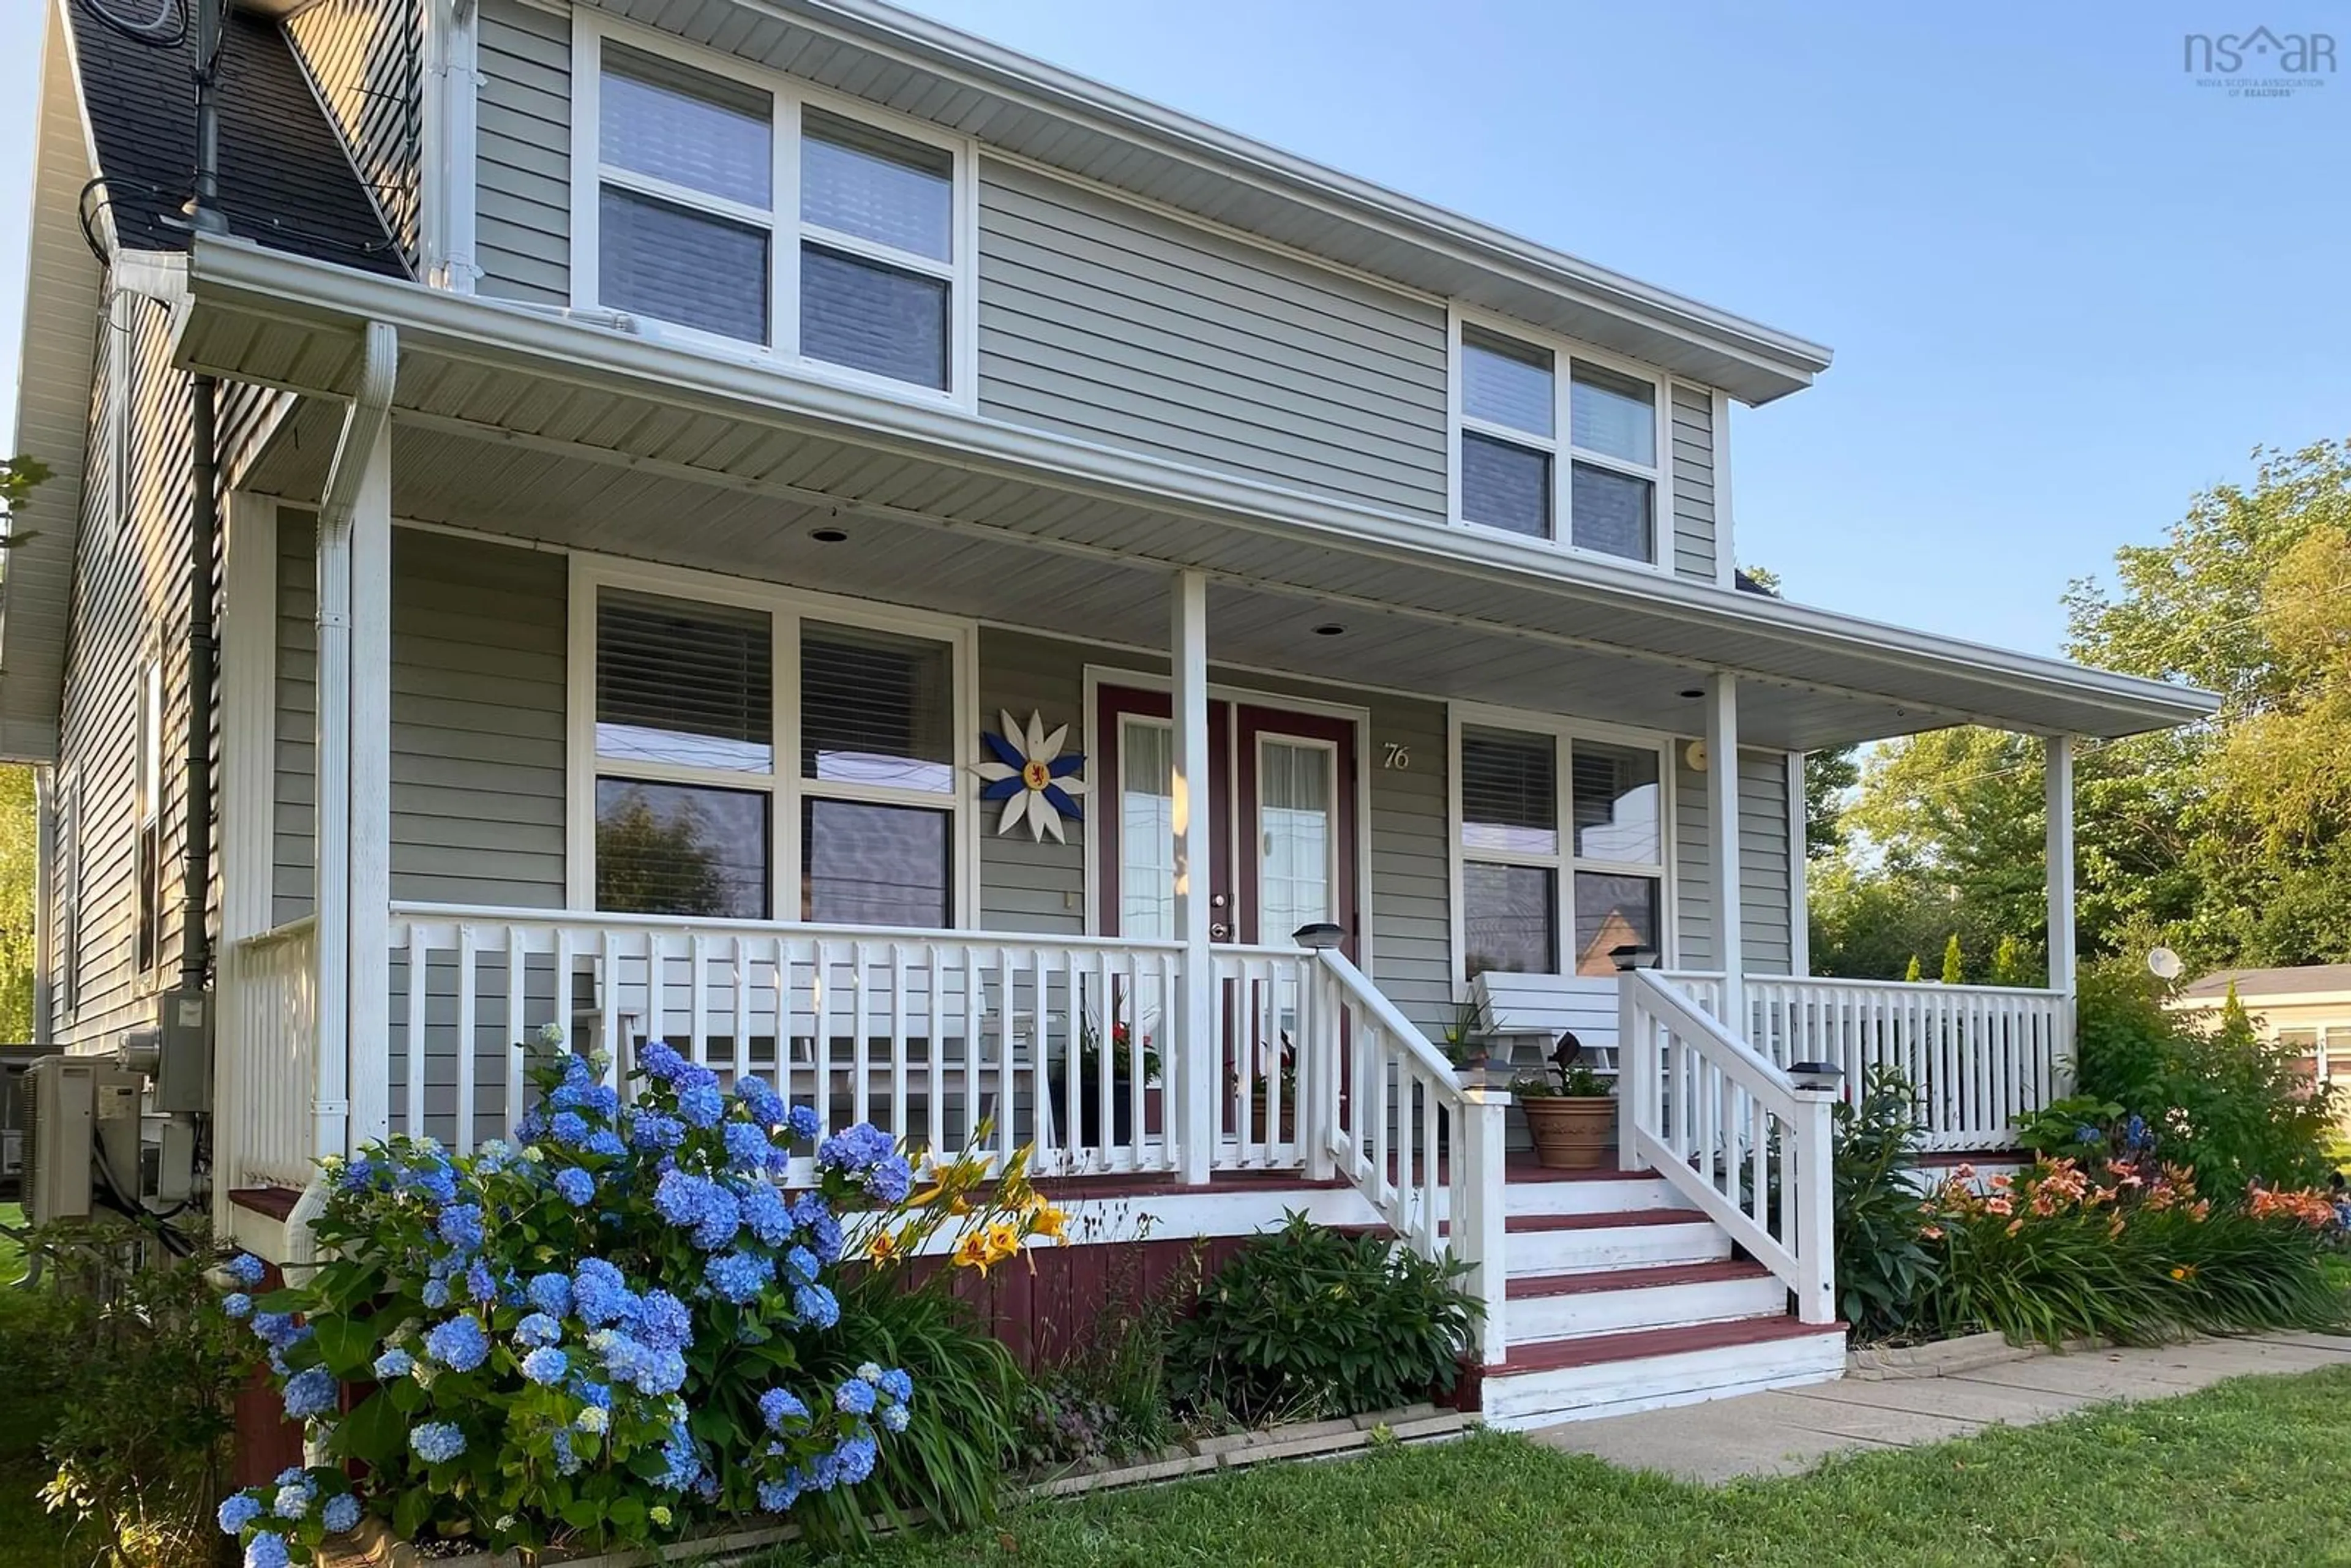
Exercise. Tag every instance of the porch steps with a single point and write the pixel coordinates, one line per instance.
(1622, 1301)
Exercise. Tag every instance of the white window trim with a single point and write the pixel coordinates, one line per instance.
(783, 786)
(1560, 446)
(1563, 732)
(589, 29)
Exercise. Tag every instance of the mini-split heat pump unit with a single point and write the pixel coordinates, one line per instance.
(81, 1126)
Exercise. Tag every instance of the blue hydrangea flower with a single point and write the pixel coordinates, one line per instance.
(538, 1330)
(890, 1179)
(342, 1514)
(679, 1196)
(246, 1270)
(310, 1392)
(662, 1321)
(606, 1143)
(546, 1365)
(701, 1106)
(550, 1294)
(896, 1385)
(276, 1330)
(598, 1294)
(748, 1147)
(2086, 1134)
(777, 1496)
(855, 1397)
(800, 1264)
(804, 1122)
(855, 1150)
(683, 1459)
(393, 1363)
(293, 1500)
(461, 1227)
(816, 1306)
(766, 1212)
(593, 1419)
(458, 1344)
(237, 1510)
(824, 1232)
(566, 1462)
(759, 1098)
(480, 1283)
(738, 1276)
(236, 1304)
(824, 1472)
(267, 1549)
(436, 1442)
(658, 1371)
(660, 1061)
(436, 1293)
(894, 1418)
(577, 1188)
(290, 1475)
(569, 1127)
(653, 1132)
(856, 1456)
(778, 1405)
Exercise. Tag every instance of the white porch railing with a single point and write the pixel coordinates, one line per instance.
(269, 1059)
(1980, 1057)
(1426, 1152)
(1732, 1133)
(929, 1035)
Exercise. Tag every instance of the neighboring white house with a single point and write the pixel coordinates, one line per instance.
(645, 464)
(2304, 1008)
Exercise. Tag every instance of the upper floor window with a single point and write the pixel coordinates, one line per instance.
(1557, 445)
(740, 212)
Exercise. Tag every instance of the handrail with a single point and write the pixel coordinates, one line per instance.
(639, 924)
(1399, 1123)
(1732, 1133)
(277, 935)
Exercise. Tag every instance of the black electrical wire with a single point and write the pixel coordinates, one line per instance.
(175, 11)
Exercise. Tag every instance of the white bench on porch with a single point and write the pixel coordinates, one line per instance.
(1526, 1015)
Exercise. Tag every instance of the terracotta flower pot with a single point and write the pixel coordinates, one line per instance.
(1571, 1133)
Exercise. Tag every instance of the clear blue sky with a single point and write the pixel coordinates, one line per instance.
(2066, 287)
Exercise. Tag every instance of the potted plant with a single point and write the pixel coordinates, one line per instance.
(1122, 1060)
(1570, 1114)
(1288, 1068)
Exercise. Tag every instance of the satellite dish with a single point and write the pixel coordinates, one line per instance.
(2164, 964)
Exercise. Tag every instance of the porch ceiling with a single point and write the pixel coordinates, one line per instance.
(511, 422)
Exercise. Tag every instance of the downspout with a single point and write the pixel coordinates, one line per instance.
(363, 428)
(204, 659)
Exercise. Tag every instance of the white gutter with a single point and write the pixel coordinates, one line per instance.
(363, 426)
(239, 274)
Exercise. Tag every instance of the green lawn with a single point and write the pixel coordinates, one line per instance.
(2253, 1472)
(29, 1536)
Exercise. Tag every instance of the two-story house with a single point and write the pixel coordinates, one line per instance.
(781, 527)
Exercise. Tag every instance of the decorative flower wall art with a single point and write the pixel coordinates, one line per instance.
(1029, 772)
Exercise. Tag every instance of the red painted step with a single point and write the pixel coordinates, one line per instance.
(1524, 1222)
(1643, 1279)
(1639, 1344)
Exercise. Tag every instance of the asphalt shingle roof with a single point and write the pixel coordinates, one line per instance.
(285, 179)
(2304, 979)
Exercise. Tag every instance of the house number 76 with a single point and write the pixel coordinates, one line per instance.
(1395, 755)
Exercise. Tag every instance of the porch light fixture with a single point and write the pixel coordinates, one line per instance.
(1634, 956)
(1693, 691)
(1824, 1076)
(828, 536)
(1329, 628)
(1319, 936)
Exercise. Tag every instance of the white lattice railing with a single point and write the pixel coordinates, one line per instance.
(1980, 1057)
(1732, 1133)
(1401, 1127)
(269, 1060)
(929, 1035)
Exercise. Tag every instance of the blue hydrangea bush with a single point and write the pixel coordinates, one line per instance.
(592, 1337)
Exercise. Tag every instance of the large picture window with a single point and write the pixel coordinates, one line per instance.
(1561, 843)
(729, 204)
(1556, 445)
(726, 789)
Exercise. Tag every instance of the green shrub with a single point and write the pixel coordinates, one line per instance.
(2215, 1099)
(1309, 1322)
(1883, 1264)
(1108, 1396)
(144, 1370)
(2127, 1252)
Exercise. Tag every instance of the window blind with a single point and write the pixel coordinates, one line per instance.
(691, 684)
(876, 708)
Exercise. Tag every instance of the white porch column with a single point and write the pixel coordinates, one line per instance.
(370, 965)
(2058, 781)
(1722, 843)
(1198, 1042)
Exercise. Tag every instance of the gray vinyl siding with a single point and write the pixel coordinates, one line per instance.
(130, 600)
(522, 220)
(1104, 320)
(1763, 863)
(365, 58)
(1693, 482)
(477, 721)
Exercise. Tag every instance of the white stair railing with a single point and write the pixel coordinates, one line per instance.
(1732, 1133)
(1398, 1123)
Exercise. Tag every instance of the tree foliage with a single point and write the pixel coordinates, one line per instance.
(19, 869)
(2230, 841)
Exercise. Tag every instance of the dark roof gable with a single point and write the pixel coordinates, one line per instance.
(285, 179)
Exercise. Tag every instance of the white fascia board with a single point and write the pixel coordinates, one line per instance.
(244, 276)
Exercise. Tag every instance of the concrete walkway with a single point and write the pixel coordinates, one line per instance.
(1791, 1430)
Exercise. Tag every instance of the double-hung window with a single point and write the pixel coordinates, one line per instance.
(756, 762)
(1563, 851)
(1559, 446)
(736, 209)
